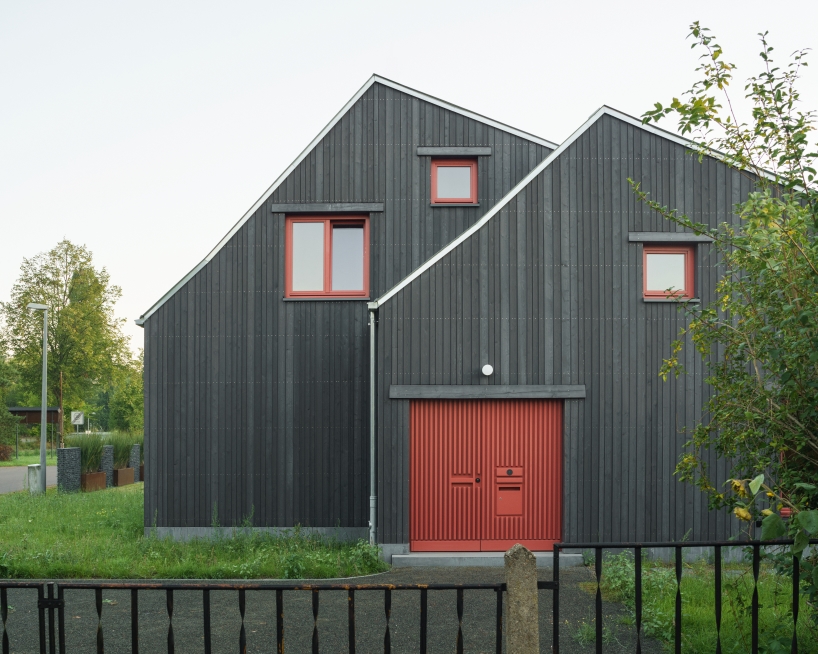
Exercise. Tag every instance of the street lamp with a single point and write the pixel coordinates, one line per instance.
(42, 307)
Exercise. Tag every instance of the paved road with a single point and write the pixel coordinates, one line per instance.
(12, 479)
(478, 618)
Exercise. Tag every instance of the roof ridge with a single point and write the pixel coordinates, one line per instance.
(375, 78)
(603, 110)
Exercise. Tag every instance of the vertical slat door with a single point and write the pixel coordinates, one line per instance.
(523, 449)
(514, 449)
(444, 469)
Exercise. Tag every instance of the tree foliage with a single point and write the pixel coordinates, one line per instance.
(85, 339)
(8, 376)
(759, 338)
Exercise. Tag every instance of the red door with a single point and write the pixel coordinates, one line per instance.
(485, 474)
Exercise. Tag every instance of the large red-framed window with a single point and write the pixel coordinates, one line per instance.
(668, 271)
(327, 256)
(454, 181)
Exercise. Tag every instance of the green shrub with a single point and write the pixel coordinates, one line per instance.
(122, 442)
(90, 450)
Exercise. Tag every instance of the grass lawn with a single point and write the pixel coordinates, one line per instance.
(698, 605)
(100, 535)
(28, 457)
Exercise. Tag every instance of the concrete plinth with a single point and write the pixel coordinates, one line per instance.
(476, 560)
(33, 478)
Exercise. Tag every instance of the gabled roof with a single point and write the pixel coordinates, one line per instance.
(603, 110)
(375, 79)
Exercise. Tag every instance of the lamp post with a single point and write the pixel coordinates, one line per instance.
(42, 307)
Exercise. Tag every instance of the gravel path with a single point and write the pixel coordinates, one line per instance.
(576, 608)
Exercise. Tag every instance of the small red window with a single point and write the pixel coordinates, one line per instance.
(454, 181)
(667, 271)
(327, 256)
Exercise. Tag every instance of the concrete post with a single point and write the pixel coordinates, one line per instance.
(522, 622)
(33, 478)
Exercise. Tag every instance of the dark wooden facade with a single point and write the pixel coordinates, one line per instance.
(550, 292)
(259, 405)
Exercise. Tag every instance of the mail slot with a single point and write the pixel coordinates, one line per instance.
(509, 500)
(508, 484)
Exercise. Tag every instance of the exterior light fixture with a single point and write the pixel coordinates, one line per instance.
(487, 370)
(42, 307)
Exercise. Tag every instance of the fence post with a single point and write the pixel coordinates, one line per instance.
(522, 623)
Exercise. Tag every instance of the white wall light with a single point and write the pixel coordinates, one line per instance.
(487, 370)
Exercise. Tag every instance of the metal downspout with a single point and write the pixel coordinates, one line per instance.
(373, 491)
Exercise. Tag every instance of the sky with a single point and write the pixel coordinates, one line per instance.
(145, 130)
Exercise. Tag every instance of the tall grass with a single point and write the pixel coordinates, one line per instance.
(101, 535)
(90, 445)
(698, 605)
(122, 442)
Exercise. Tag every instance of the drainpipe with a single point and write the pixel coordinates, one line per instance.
(373, 490)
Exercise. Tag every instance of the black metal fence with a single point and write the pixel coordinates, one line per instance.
(718, 559)
(51, 599)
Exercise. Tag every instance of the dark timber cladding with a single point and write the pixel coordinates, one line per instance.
(549, 292)
(256, 406)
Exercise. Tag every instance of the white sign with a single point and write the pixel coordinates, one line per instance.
(77, 418)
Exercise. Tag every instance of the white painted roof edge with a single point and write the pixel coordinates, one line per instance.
(521, 185)
(372, 80)
(464, 112)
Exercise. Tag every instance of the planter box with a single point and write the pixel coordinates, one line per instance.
(93, 481)
(123, 476)
(142, 472)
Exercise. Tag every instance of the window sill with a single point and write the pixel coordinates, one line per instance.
(328, 298)
(681, 300)
(454, 204)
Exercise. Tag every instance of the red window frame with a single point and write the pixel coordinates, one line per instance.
(442, 163)
(328, 221)
(690, 266)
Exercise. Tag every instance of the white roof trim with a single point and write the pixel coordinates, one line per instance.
(372, 80)
(464, 112)
(523, 183)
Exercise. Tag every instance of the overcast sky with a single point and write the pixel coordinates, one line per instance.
(145, 130)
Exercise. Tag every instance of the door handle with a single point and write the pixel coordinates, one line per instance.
(477, 480)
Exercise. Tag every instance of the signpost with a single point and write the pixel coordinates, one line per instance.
(77, 418)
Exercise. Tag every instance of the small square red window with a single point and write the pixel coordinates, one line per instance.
(454, 181)
(667, 271)
(327, 256)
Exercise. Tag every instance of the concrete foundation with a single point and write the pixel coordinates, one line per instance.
(188, 533)
(475, 559)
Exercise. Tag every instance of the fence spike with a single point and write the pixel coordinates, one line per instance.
(100, 640)
(315, 622)
(718, 598)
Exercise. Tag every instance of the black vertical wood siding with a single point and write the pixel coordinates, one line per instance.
(257, 406)
(550, 292)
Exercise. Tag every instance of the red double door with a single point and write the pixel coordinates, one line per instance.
(485, 474)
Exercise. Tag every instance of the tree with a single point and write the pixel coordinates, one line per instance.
(120, 406)
(128, 400)
(8, 376)
(759, 339)
(85, 339)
